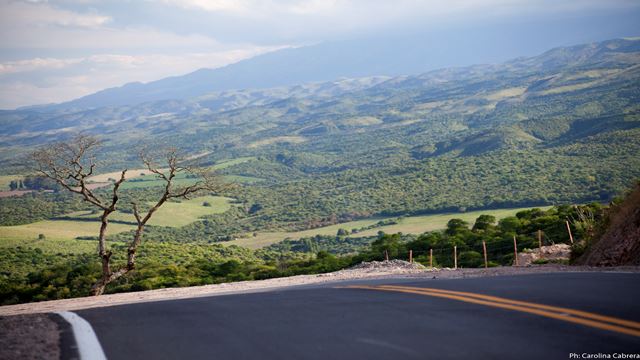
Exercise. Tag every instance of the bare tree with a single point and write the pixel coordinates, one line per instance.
(71, 163)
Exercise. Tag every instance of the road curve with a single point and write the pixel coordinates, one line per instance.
(541, 316)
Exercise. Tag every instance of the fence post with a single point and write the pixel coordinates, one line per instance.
(515, 251)
(455, 256)
(484, 250)
(431, 258)
(410, 256)
(540, 240)
(569, 231)
(386, 255)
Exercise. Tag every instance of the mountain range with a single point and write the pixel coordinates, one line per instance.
(563, 126)
(383, 55)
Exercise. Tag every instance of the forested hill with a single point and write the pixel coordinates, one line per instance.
(563, 126)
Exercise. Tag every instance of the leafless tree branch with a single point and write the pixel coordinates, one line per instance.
(71, 163)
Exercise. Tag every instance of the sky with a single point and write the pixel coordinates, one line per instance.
(58, 50)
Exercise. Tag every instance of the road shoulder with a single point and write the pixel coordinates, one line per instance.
(279, 283)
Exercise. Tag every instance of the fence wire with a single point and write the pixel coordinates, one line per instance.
(495, 250)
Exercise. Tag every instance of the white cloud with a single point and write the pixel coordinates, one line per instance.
(308, 21)
(212, 5)
(87, 45)
(382, 7)
(28, 25)
(48, 80)
(14, 67)
(40, 14)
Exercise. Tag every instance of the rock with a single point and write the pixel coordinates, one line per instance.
(555, 252)
(388, 265)
(620, 242)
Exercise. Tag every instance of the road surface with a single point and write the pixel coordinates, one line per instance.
(541, 316)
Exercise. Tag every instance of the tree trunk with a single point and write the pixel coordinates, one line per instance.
(99, 287)
(105, 256)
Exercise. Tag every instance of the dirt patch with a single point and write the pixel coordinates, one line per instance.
(33, 336)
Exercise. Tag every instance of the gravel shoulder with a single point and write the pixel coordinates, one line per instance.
(379, 270)
(29, 336)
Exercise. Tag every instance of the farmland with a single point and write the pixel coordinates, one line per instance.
(85, 223)
(405, 225)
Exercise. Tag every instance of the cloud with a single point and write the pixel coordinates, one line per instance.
(42, 26)
(238, 6)
(41, 14)
(48, 80)
(268, 8)
(318, 20)
(56, 50)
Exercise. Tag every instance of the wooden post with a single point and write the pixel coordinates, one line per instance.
(484, 250)
(540, 240)
(386, 255)
(431, 258)
(411, 256)
(569, 231)
(455, 256)
(515, 251)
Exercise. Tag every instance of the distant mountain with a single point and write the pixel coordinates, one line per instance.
(387, 56)
(560, 127)
(495, 105)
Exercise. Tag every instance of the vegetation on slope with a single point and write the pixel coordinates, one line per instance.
(614, 241)
(55, 276)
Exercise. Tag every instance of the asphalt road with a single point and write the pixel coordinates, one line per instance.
(335, 322)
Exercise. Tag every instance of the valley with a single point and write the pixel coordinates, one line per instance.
(322, 175)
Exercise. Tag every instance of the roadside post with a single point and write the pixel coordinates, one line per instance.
(540, 240)
(484, 250)
(431, 258)
(386, 255)
(515, 251)
(410, 256)
(569, 231)
(455, 257)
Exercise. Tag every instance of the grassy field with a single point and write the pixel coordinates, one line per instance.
(52, 246)
(226, 163)
(6, 179)
(180, 180)
(278, 140)
(57, 230)
(152, 180)
(407, 225)
(171, 214)
(142, 173)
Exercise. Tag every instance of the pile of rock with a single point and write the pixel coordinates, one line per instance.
(551, 253)
(390, 265)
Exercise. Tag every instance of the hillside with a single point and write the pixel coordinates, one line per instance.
(619, 241)
(322, 62)
(560, 127)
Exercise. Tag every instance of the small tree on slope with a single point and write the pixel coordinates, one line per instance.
(71, 163)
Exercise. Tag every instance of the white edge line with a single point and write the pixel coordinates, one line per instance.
(86, 340)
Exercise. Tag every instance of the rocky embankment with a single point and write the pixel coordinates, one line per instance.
(619, 243)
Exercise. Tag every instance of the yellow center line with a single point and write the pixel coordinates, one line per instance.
(585, 314)
(504, 304)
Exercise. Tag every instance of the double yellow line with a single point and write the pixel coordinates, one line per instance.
(565, 314)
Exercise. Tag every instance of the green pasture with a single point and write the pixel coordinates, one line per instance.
(406, 225)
